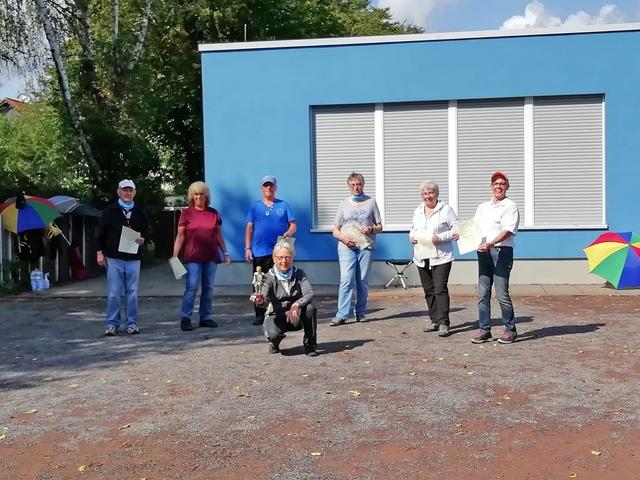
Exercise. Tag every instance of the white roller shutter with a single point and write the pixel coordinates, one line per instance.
(343, 143)
(490, 138)
(415, 150)
(568, 161)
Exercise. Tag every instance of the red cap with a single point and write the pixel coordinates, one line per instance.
(497, 175)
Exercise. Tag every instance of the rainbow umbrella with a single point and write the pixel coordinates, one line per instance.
(25, 212)
(616, 258)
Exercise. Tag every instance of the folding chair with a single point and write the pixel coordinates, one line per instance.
(399, 266)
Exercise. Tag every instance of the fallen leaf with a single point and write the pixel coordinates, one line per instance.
(217, 391)
(459, 433)
(305, 375)
(507, 397)
(169, 381)
(367, 362)
(440, 358)
(73, 385)
(2, 436)
(470, 373)
(425, 359)
(49, 414)
(459, 425)
(498, 403)
(342, 378)
(413, 374)
(33, 410)
(596, 453)
(316, 454)
(466, 354)
(573, 474)
(354, 393)
(48, 379)
(124, 427)
(82, 468)
(251, 417)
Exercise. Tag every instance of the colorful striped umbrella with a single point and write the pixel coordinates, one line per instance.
(616, 258)
(27, 213)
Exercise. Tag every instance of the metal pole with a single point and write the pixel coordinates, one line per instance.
(245, 32)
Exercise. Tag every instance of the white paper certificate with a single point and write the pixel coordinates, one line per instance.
(470, 239)
(128, 239)
(425, 247)
(177, 267)
(354, 233)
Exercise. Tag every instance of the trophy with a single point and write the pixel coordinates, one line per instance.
(257, 282)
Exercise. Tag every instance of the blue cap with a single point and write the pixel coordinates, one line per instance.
(268, 179)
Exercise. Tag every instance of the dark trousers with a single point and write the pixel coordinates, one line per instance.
(275, 326)
(436, 290)
(266, 263)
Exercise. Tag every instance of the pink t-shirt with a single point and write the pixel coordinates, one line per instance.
(200, 243)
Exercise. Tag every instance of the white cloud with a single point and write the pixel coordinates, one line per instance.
(536, 15)
(411, 11)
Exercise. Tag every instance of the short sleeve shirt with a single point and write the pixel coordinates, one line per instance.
(200, 242)
(268, 223)
(494, 218)
(365, 214)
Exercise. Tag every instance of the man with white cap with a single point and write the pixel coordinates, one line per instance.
(497, 222)
(267, 219)
(123, 268)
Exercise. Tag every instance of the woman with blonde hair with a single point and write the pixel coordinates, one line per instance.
(200, 240)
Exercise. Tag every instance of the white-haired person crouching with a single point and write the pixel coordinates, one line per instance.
(288, 294)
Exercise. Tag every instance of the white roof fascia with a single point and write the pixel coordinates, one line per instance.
(422, 37)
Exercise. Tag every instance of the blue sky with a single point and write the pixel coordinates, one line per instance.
(464, 15)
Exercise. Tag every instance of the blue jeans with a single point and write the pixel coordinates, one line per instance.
(355, 266)
(198, 273)
(494, 267)
(122, 273)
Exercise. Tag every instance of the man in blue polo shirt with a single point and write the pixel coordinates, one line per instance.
(266, 220)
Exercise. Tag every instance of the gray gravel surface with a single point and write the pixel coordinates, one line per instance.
(381, 397)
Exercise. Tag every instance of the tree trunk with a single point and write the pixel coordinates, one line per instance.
(63, 82)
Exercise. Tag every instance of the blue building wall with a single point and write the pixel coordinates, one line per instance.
(257, 117)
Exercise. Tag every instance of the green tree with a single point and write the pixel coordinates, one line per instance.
(37, 154)
(168, 90)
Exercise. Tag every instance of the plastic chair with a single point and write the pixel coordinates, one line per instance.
(399, 266)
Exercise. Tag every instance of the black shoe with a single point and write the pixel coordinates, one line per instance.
(258, 321)
(185, 324)
(208, 323)
(310, 351)
(272, 348)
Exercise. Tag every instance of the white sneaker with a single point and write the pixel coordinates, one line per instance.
(133, 329)
(111, 331)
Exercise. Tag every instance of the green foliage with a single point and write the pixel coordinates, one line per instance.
(16, 277)
(37, 154)
(146, 123)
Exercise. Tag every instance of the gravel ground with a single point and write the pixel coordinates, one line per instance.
(383, 400)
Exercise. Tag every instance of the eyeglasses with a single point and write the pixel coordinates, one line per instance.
(284, 258)
(269, 185)
(500, 184)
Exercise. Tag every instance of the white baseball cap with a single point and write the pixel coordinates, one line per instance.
(126, 183)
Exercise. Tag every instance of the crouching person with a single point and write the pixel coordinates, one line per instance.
(288, 293)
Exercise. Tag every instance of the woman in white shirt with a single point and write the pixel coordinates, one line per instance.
(437, 218)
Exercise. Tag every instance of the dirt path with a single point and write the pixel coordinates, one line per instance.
(383, 400)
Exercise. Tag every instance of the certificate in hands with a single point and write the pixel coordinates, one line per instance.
(425, 247)
(470, 239)
(128, 239)
(354, 233)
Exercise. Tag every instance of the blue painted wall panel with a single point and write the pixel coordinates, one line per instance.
(257, 116)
